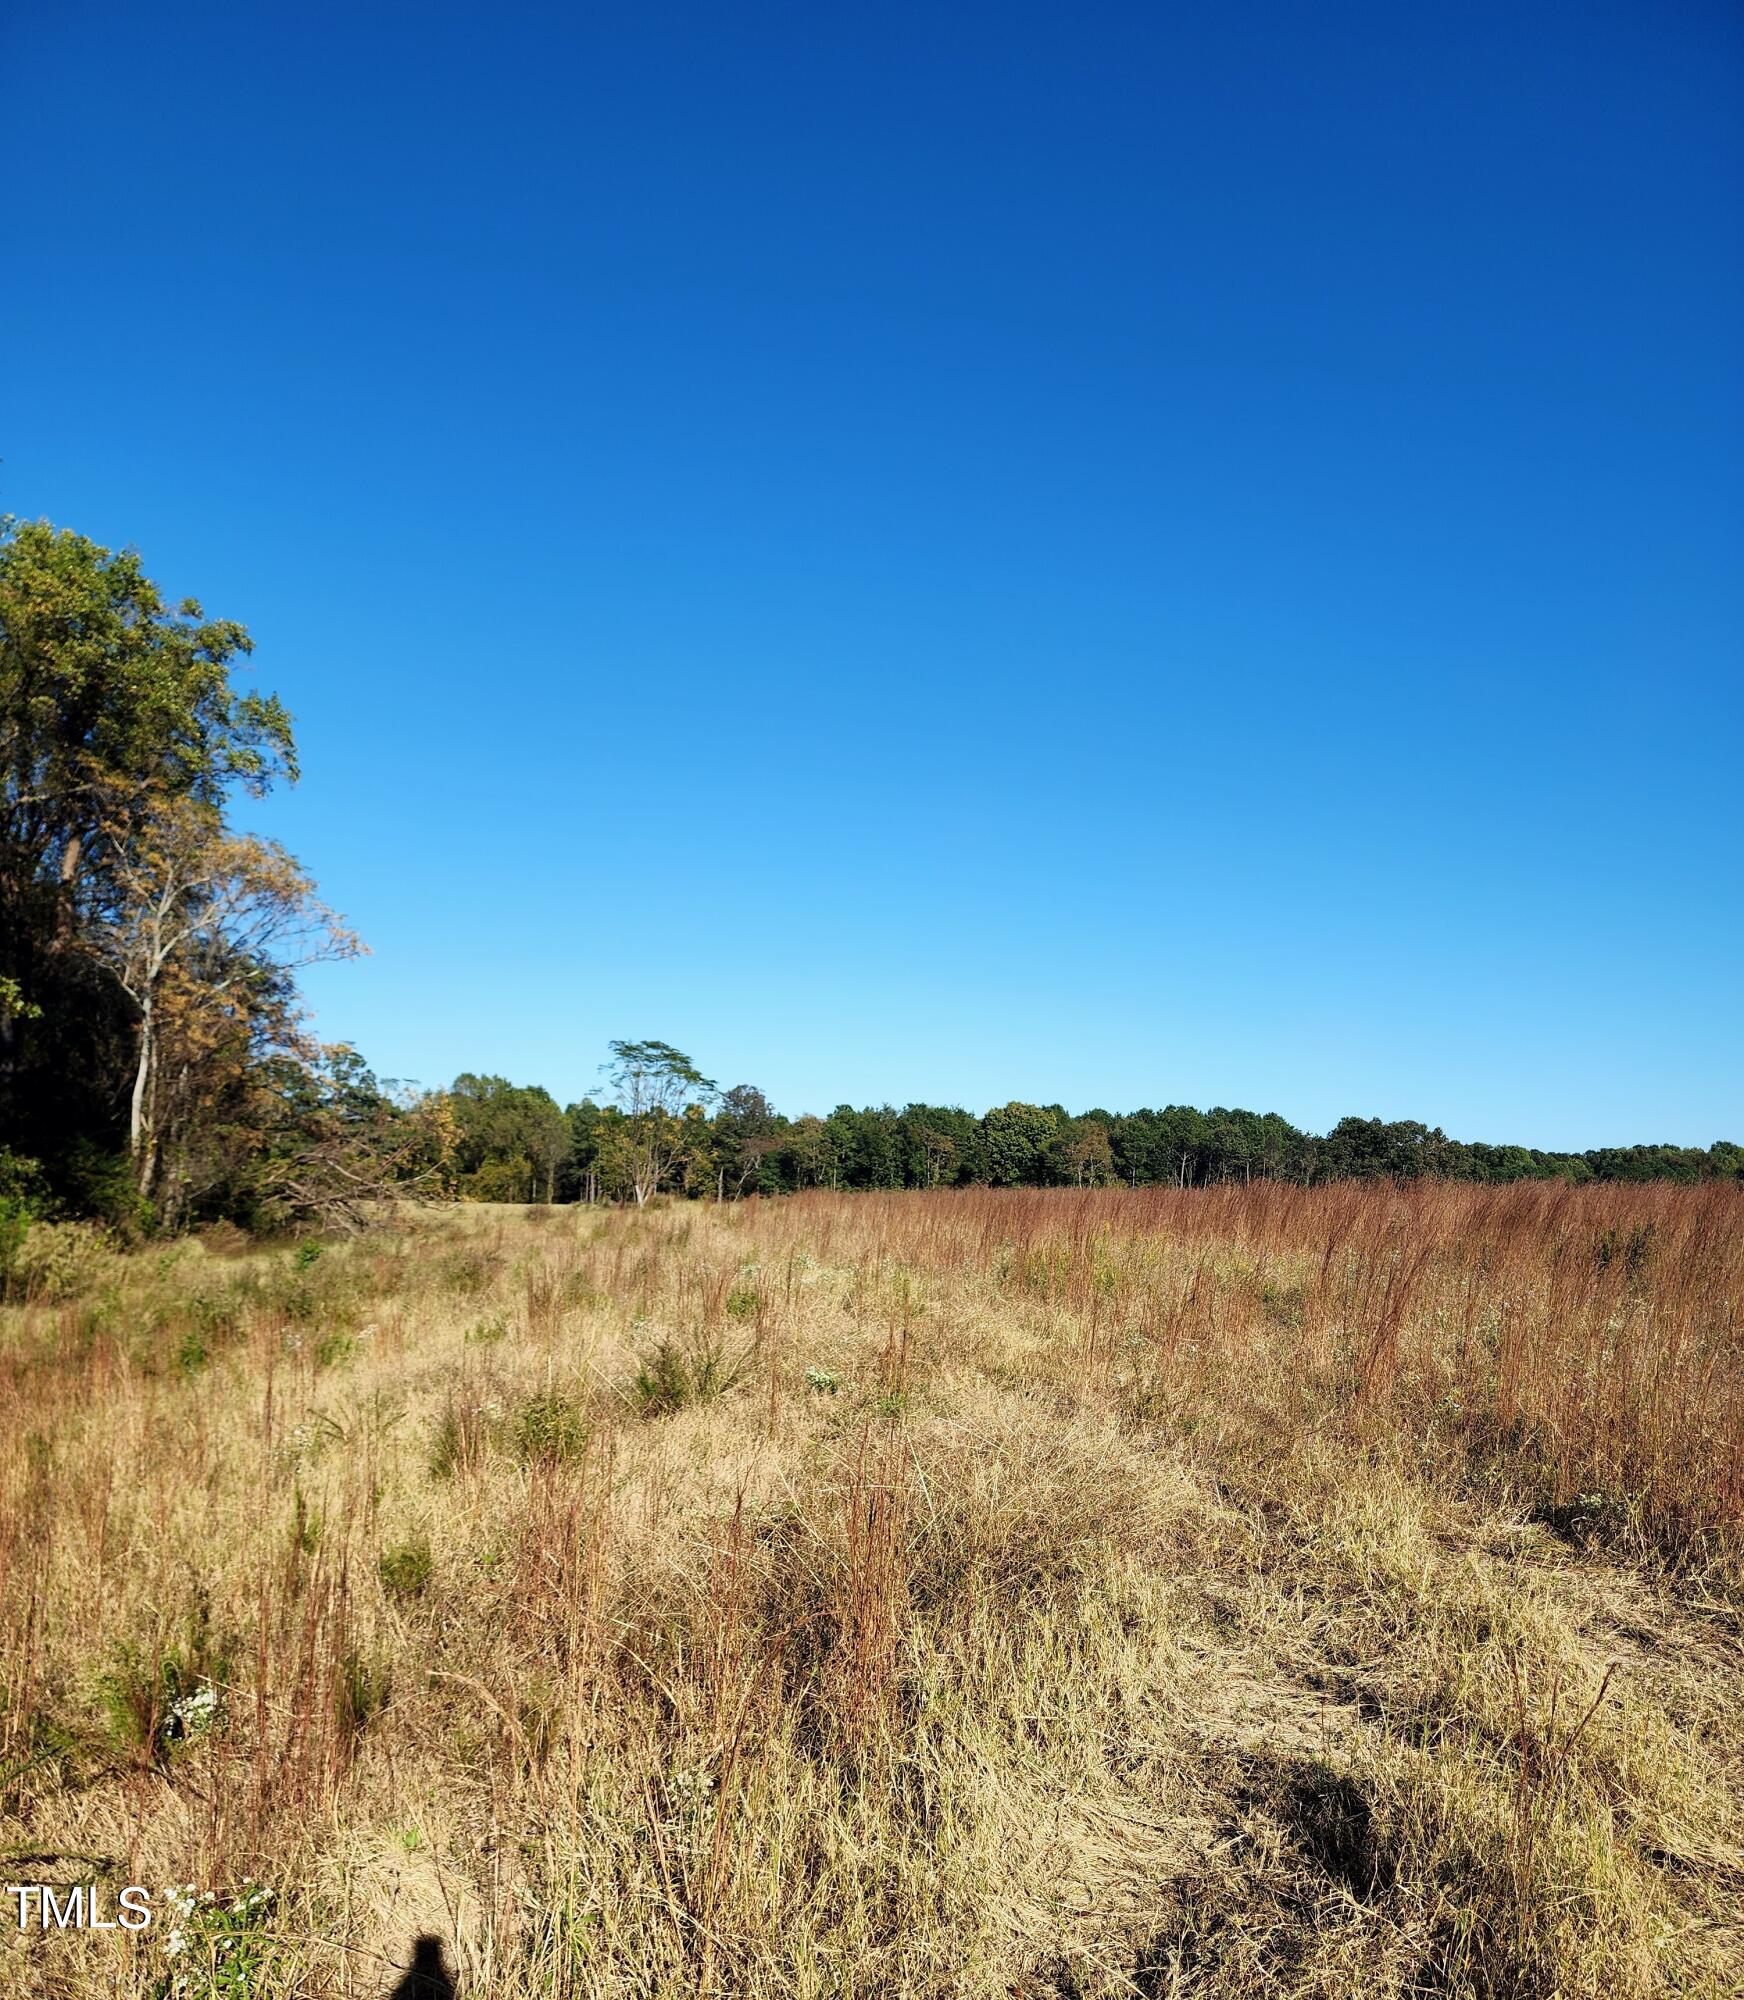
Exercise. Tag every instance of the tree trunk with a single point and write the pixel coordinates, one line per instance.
(69, 873)
(140, 1153)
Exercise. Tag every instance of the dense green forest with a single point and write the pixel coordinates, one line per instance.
(156, 1070)
(515, 1143)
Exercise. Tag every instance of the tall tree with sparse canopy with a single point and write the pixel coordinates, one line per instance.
(226, 914)
(655, 1085)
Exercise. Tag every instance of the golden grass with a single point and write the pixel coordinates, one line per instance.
(1248, 1591)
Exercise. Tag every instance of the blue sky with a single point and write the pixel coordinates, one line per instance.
(1113, 554)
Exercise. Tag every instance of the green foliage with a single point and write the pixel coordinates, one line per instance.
(547, 1429)
(670, 1376)
(663, 1382)
(98, 1183)
(156, 1699)
(406, 1568)
(365, 1689)
(208, 1320)
(14, 1005)
(461, 1437)
(54, 1261)
(218, 1947)
(21, 1180)
(746, 1138)
(105, 686)
(17, 1212)
(465, 1273)
(154, 1061)
(511, 1139)
(306, 1525)
(23, 1201)
(1016, 1140)
(550, 1429)
(661, 1094)
(319, 1291)
(113, 702)
(747, 1148)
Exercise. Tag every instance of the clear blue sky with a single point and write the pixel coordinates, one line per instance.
(1120, 554)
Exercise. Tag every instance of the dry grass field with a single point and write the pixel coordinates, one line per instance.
(1241, 1592)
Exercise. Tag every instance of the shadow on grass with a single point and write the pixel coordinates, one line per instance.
(427, 1977)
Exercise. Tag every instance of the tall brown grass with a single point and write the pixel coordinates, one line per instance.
(1232, 1591)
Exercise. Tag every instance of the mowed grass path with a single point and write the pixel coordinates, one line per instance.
(1242, 1592)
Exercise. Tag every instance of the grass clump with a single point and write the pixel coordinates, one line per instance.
(406, 1569)
(365, 1686)
(157, 1701)
(672, 1375)
(334, 1348)
(550, 1429)
(460, 1440)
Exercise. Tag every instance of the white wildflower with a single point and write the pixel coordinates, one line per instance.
(195, 1713)
(693, 1787)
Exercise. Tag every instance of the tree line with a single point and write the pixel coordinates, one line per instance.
(515, 1143)
(157, 1069)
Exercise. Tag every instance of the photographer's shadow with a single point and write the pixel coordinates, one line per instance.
(427, 1977)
